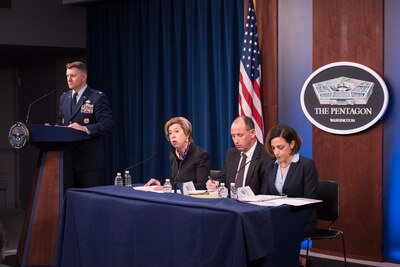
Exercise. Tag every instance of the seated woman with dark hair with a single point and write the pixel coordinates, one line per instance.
(188, 161)
(292, 174)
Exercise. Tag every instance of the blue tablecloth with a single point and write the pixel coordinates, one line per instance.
(118, 226)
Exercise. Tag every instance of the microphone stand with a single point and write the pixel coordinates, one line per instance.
(254, 158)
(141, 162)
(37, 100)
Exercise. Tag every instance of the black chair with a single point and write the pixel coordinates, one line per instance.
(327, 210)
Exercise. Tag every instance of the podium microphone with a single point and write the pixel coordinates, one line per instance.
(141, 162)
(37, 100)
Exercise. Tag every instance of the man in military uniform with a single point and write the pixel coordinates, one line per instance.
(87, 110)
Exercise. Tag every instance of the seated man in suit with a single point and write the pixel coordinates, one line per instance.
(246, 162)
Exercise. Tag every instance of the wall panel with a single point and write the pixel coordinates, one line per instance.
(267, 26)
(294, 65)
(391, 142)
(346, 30)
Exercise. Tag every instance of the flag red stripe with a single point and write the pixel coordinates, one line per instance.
(248, 98)
(250, 75)
(256, 115)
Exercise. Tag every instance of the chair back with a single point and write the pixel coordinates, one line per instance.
(214, 174)
(328, 192)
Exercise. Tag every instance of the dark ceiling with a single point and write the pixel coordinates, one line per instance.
(16, 55)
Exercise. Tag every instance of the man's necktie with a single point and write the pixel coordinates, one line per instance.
(240, 175)
(73, 102)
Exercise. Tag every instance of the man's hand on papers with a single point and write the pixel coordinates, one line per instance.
(212, 185)
(153, 181)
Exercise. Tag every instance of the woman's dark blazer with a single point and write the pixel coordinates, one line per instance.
(301, 181)
(194, 167)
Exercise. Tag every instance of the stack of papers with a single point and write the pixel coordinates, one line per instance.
(205, 196)
(151, 188)
(260, 198)
(197, 192)
(276, 200)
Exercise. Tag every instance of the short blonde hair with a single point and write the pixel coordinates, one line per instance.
(183, 122)
(78, 65)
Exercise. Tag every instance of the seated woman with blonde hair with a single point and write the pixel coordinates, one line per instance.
(188, 161)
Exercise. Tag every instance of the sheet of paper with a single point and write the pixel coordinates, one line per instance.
(205, 196)
(267, 203)
(293, 201)
(296, 201)
(245, 191)
(260, 198)
(150, 188)
(188, 187)
(198, 192)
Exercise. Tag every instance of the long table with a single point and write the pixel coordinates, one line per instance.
(118, 226)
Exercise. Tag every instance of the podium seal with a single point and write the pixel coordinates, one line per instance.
(18, 136)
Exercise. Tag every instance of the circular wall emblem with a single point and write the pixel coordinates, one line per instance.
(18, 136)
(344, 98)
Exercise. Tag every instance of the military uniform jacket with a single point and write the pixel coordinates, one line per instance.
(93, 111)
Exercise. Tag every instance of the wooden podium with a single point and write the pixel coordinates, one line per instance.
(39, 233)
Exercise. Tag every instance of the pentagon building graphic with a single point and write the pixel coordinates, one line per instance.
(343, 91)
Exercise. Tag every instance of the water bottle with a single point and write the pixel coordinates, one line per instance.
(233, 191)
(222, 191)
(167, 187)
(128, 179)
(118, 180)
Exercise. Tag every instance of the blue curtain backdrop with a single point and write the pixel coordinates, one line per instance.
(157, 59)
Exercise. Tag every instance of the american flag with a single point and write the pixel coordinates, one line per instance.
(250, 74)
